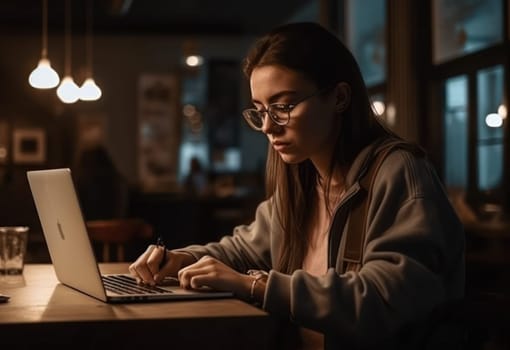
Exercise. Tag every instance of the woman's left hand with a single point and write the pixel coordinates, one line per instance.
(212, 273)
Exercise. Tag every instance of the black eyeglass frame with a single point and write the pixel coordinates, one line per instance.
(282, 107)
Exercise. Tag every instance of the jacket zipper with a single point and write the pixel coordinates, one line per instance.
(343, 205)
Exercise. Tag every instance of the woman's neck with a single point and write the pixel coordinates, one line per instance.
(336, 180)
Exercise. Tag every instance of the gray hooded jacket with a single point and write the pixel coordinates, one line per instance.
(412, 265)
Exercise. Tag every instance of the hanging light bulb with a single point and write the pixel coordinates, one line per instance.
(43, 76)
(68, 91)
(89, 91)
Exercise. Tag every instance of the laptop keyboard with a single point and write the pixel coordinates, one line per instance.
(125, 285)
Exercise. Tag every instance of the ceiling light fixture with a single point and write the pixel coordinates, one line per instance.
(43, 76)
(89, 91)
(68, 91)
(194, 60)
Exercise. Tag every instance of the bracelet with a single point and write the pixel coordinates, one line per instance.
(257, 275)
(253, 284)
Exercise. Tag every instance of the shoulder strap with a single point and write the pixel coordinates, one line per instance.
(357, 225)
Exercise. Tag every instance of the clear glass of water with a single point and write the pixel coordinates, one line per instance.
(13, 246)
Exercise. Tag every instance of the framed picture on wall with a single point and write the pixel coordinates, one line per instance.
(29, 146)
(158, 131)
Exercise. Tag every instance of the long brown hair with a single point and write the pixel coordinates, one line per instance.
(313, 51)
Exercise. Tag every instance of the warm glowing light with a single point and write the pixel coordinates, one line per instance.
(391, 115)
(194, 60)
(493, 120)
(379, 107)
(89, 91)
(43, 76)
(68, 91)
(502, 111)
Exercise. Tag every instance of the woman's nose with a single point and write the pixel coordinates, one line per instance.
(268, 125)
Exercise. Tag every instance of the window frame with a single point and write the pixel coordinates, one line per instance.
(469, 64)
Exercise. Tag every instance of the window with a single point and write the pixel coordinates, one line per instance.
(456, 132)
(488, 116)
(489, 128)
(465, 26)
(366, 37)
(469, 59)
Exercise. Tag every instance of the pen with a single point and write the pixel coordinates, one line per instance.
(161, 243)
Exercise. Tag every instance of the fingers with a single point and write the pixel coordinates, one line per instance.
(155, 259)
(174, 261)
(201, 281)
(197, 278)
(166, 266)
(144, 268)
(156, 263)
(207, 272)
(211, 273)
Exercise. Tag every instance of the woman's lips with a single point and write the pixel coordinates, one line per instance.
(280, 146)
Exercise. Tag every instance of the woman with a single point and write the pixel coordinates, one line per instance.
(310, 100)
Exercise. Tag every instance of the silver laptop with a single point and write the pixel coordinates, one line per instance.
(71, 250)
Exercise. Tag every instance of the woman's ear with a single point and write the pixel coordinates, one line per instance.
(343, 96)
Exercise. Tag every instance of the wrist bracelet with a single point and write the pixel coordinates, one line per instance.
(257, 275)
(253, 284)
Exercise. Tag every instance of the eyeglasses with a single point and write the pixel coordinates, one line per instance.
(278, 112)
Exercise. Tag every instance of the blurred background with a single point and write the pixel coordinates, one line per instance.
(152, 127)
(144, 105)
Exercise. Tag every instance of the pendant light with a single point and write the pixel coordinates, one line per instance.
(68, 91)
(43, 76)
(89, 91)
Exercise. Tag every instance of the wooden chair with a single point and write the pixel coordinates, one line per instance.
(118, 233)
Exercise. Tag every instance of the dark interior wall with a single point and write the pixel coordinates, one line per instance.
(118, 63)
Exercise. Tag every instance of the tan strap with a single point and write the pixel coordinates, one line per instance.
(357, 225)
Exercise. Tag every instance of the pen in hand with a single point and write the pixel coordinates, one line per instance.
(161, 243)
(167, 280)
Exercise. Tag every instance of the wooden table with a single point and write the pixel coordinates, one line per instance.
(42, 311)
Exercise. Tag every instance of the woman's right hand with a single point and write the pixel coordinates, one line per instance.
(157, 262)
